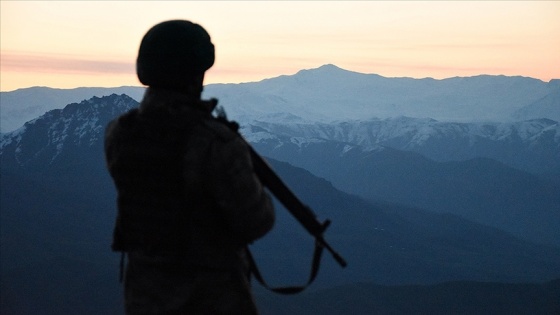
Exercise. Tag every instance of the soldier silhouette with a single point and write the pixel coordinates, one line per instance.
(189, 201)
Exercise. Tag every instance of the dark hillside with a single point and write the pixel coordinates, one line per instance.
(445, 298)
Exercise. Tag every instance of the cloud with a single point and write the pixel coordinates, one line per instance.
(63, 64)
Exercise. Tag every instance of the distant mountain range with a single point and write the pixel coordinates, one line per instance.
(532, 145)
(377, 160)
(414, 201)
(478, 189)
(329, 93)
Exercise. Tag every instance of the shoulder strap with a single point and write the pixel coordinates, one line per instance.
(302, 213)
(317, 252)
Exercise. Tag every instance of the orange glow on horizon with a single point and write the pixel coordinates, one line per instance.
(67, 44)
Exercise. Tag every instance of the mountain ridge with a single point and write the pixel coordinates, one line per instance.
(383, 172)
(330, 93)
(532, 146)
(19, 106)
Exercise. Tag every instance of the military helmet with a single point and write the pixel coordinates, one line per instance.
(172, 53)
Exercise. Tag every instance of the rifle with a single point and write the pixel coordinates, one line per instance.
(303, 214)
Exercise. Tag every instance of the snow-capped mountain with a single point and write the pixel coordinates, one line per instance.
(22, 105)
(51, 139)
(375, 160)
(64, 147)
(532, 145)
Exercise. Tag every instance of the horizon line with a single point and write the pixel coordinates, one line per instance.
(331, 65)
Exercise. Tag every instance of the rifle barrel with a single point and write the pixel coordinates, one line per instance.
(304, 214)
(268, 177)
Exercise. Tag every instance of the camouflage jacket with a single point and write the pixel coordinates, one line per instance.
(185, 183)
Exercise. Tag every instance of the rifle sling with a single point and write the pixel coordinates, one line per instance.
(304, 215)
(318, 251)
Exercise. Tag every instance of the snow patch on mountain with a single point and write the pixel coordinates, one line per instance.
(346, 149)
(256, 136)
(14, 136)
(532, 145)
(408, 132)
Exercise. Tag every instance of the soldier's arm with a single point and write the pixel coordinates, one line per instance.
(246, 205)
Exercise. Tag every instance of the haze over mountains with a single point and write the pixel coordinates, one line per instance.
(414, 199)
(329, 93)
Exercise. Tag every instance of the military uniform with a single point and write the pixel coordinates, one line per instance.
(189, 203)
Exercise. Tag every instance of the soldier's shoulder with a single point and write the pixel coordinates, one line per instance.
(121, 122)
(219, 130)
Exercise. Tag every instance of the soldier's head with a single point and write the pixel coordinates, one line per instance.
(175, 55)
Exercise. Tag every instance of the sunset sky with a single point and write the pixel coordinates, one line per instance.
(69, 44)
